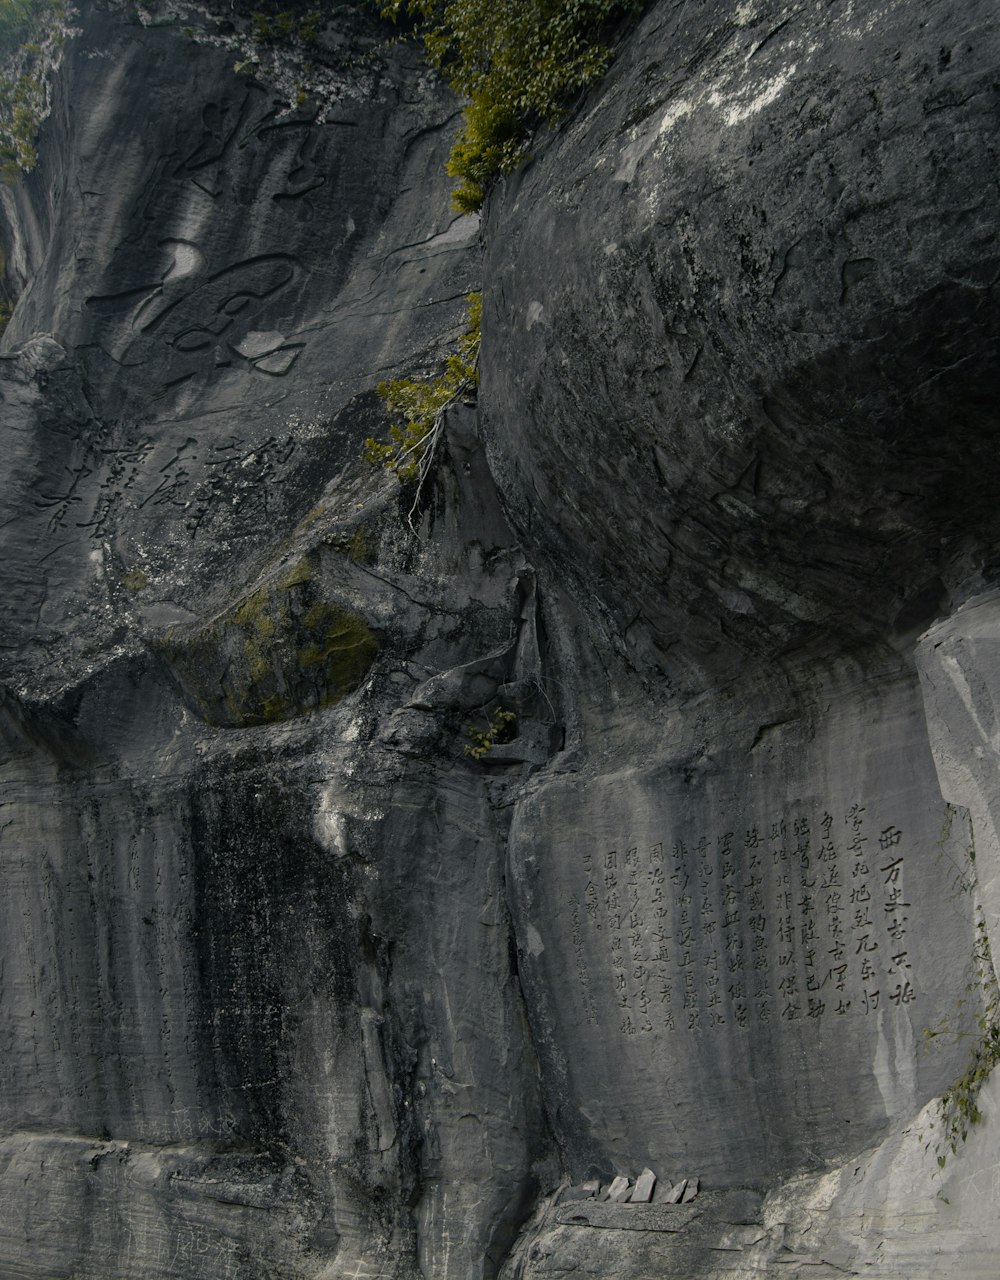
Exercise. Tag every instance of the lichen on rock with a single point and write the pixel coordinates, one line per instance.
(279, 652)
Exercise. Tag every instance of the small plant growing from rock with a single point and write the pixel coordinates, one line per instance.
(958, 1108)
(310, 26)
(416, 406)
(499, 728)
(284, 26)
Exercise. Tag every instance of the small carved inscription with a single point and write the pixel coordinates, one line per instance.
(798, 920)
(233, 474)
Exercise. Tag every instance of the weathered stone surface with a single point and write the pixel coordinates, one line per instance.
(894, 1211)
(582, 1191)
(669, 1193)
(156, 457)
(281, 650)
(642, 1192)
(742, 396)
(959, 664)
(260, 1014)
(744, 294)
(618, 1192)
(768, 979)
(745, 420)
(890, 1212)
(293, 986)
(721, 1237)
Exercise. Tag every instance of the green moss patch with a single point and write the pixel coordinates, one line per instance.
(280, 652)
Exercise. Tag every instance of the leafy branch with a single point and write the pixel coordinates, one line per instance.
(499, 729)
(416, 408)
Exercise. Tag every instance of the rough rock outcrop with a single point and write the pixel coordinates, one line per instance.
(260, 1012)
(740, 398)
(293, 984)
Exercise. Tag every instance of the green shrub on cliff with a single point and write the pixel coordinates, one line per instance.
(30, 37)
(416, 405)
(958, 1106)
(286, 26)
(517, 62)
(500, 728)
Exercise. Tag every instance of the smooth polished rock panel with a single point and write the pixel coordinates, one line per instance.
(751, 941)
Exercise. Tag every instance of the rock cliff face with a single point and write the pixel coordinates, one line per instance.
(295, 986)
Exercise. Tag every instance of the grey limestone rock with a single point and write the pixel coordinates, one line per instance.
(619, 1190)
(717, 430)
(582, 1191)
(248, 1029)
(293, 985)
(720, 1237)
(645, 1184)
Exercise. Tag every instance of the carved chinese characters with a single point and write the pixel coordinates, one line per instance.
(802, 918)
